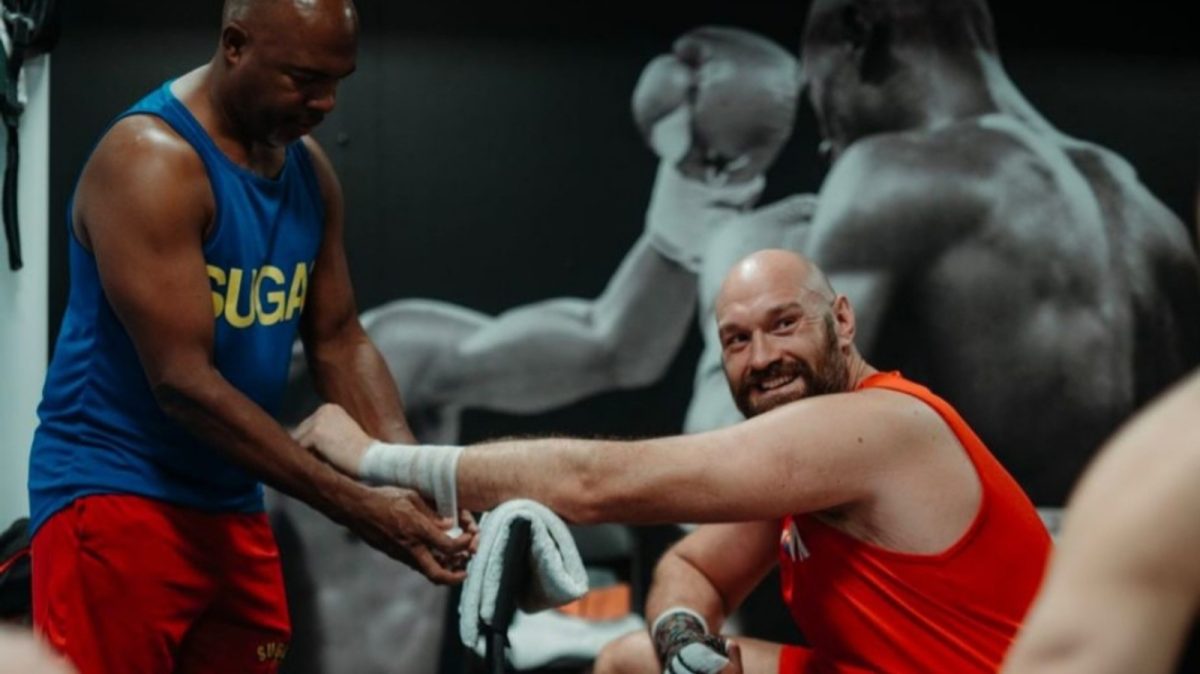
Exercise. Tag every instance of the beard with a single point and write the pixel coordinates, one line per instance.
(829, 373)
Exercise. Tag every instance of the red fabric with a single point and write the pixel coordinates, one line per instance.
(957, 612)
(128, 585)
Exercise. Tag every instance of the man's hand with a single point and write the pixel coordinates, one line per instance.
(399, 523)
(334, 435)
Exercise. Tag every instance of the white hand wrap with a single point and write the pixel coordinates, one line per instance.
(684, 214)
(432, 470)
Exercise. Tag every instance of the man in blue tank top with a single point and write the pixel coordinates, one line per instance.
(206, 232)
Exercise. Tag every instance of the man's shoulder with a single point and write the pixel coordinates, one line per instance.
(933, 182)
(142, 165)
(145, 144)
(960, 155)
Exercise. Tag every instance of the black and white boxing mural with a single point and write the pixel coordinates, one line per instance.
(539, 210)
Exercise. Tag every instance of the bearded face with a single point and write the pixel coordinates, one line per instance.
(788, 368)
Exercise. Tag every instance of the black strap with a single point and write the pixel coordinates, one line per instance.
(33, 28)
(12, 164)
(15, 583)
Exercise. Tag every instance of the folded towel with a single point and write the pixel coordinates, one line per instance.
(555, 571)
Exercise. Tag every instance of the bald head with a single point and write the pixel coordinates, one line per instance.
(774, 272)
(785, 334)
(278, 65)
(283, 12)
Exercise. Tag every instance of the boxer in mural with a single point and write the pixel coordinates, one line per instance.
(1057, 293)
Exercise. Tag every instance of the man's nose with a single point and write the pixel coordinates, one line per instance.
(324, 102)
(762, 351)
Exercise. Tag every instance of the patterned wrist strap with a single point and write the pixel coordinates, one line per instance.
(674, 629)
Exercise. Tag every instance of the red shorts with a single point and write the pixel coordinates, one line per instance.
(129, 585)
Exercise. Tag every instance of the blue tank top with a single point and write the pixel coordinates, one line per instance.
(101, 430)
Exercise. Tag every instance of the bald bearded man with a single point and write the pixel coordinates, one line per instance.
(904, 545)
(206, 231)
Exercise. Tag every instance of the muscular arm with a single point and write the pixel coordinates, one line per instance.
(346, 367)
(555, 352)
(713, 569)
(1124, 585)
(801, 457)
(543, 355)
(142, 208)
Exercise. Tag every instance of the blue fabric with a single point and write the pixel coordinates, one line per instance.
(101, 430)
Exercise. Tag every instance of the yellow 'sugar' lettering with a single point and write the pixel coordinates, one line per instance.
(263, 305)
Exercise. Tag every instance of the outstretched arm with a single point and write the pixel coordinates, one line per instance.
(555, 352)
(806, 456)
(552, 353)
(1124, 585)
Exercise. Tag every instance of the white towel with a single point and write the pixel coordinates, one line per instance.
(556, 574)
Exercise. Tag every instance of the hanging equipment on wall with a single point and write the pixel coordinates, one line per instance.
(30, 29)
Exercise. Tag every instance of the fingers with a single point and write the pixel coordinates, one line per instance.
(467, 521)
(452, 545)
(303, 430)
(433, 528)
(427, 563)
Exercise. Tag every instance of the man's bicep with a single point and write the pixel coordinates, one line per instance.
(145, 218)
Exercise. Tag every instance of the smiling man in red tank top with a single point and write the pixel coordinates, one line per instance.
(905, 546)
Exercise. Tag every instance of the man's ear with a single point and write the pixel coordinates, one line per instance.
(870, 36)
(233, 42)
(843, 320)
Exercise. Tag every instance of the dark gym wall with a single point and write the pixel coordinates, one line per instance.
(489, 159)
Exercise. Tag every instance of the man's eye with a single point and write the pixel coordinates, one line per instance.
(784, 323)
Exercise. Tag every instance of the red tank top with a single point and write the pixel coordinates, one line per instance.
(860, 605)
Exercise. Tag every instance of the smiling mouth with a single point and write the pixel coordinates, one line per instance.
(775, 383)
